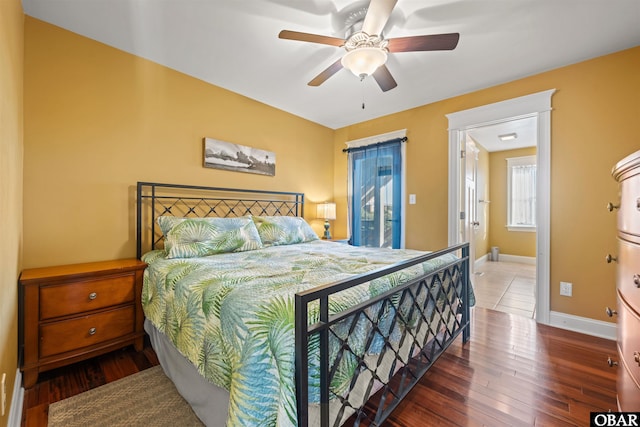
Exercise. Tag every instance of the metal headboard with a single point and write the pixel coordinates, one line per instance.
(156, 199)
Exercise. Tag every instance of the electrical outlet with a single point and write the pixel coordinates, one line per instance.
(566, 289)
(3, 393)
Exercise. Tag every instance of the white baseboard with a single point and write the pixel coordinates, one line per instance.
(517, 258)
(507, 258)
(596, 328)
(15, 412)
(484, 258)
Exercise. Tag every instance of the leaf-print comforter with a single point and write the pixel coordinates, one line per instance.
(232, 315)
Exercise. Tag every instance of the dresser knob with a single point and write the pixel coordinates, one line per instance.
(92, 331)
(611, 362)
(610, 258)
(611, 206)
(93, 295)
(636, 357)
(636, 280)
(610, 312)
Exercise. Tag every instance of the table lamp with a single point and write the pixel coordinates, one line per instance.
(326, 211)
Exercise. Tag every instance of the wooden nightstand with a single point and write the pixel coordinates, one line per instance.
(73, 312)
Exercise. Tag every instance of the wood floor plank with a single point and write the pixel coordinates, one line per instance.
(512, 372)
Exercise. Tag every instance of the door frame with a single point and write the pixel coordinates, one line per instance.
(535, 105)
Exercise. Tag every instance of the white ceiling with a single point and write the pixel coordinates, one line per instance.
(234, 44)
(524, 129)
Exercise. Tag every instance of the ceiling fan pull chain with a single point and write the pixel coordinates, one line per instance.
(362, 88)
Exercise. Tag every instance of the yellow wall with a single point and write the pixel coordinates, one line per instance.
(595, 111)
(99, 120)
(11, 147)
(519, 243)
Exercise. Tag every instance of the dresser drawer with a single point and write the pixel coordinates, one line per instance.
(66, 335)
(628, 391)
(628, 277)
(86, 295)
(629, 338)
(629, 212)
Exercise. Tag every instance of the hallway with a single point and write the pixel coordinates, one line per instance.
(508, 287)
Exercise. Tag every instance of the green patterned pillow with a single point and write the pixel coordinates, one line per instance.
(283, 230)
(196, 237)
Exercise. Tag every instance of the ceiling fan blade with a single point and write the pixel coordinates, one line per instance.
(312, 38)
(384, 78)
(328, 72)
(423, 43)
(377, 16)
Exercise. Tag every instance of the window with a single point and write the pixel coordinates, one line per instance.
(521, 193)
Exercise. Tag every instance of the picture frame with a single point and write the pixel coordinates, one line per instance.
(229, 156)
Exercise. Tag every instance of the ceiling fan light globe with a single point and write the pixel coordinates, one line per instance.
(364, 61)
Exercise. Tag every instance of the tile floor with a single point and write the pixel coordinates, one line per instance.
(506, 286)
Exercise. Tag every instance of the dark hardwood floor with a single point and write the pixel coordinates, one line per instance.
(513, 372)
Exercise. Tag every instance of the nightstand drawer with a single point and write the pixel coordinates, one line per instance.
(81, 296)
(67, 335)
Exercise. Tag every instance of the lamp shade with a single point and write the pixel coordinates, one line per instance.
(363, 61)
(326, 210)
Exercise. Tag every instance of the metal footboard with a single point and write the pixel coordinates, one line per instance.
(385, 344)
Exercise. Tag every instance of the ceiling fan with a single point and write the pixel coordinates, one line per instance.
(366, 48)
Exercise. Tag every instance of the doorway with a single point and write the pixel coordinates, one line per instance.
(537, 106)
(500, 190)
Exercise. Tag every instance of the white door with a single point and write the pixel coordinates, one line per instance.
(471, 223)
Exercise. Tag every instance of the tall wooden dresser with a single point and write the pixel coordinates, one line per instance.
(627, 173)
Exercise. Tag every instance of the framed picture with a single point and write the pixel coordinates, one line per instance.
(238, 158)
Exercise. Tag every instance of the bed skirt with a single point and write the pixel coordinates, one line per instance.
(209, 402)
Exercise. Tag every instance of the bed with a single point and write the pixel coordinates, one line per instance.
(257, 321)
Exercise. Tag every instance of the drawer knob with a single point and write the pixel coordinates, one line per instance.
(611, 362)
(610, 312)
(92, 331)
(636, 357)
(93, 296)
(610, 258)
(636, 280)
(611, 207)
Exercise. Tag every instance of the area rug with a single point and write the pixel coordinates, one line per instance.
(147, 398)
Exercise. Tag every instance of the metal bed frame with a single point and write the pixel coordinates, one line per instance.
(430, 311)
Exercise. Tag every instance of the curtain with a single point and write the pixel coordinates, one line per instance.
(523, 195)
(375, 194)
